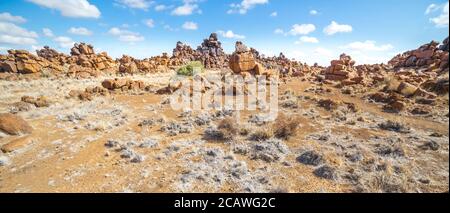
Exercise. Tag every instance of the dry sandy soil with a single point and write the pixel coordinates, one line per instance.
(135, 142)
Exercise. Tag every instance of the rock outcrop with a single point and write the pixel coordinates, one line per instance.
(211, 53)
(123, 84)
(343, 70)
(430, 56)
(242, 59)
(22, 61)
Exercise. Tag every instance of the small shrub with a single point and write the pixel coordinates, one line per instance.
(261, 134)
(285, 127)
(226, 130)
(229, 127)
(191, 68)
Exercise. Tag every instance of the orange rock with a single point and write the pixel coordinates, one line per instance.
(242, 62)
(16, 144)
(14, 125)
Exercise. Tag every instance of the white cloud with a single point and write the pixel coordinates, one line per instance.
(302, 29)
(296, 54)
(230, 34)
(169, 28)
(323, 52)
(71, 8)
(442, 19)
(136, 4)
(364, 58)
(125, 35)
(4, 48)
(245, 5)
(190, 25)
(278, 31)
(334, 28)
(431, 8)
(188, 8)
(34, 48)
(274, 14)
(313, 12)
(64, 42)
(131, 38)
(7, 17)
(161, 7)
(80, 31)
(149, 23)
(47, 32)
(367, 46)
(17, 40)
(14, 30)
(307, 39)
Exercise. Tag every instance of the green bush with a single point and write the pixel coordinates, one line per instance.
(191, 68)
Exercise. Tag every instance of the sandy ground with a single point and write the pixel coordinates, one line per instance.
(123, 143)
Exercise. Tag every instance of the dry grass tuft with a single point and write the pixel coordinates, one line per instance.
(285, 127)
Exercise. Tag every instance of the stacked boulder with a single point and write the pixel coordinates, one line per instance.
(83, 55)
(343, 70)
(130, 65)
(52, 55)
(428, 55)
(22, 61)
(211, 53)
(85, 63)
(243, 62)
(123, 84)
(242, 59)
(127, 65)
(182, 54)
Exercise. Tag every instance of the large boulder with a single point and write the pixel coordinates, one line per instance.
(14, 125)
(242, 59)
(342, 69)
(8, 66)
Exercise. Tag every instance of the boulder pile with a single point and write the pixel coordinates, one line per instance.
(243, 62)
(343, 70)
(89, 93)
(83, 55)
(182, 54)
(123, 84)
(22, 61)
(211, 53)
(130, 65)
(52, 55)
(431, 56)
(127, 64)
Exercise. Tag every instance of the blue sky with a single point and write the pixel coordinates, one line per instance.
(308, 30)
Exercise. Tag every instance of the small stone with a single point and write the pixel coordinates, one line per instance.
(310, 158)
(4, 161)
(325, 172)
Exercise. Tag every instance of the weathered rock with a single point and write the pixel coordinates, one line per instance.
(123, 84)
(14, 125)
(8, 66)
(16, 144)
(343, 70)
(211, 53)
(310, 158)
(242, 59)
(325, 172)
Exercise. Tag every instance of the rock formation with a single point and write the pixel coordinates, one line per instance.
(428, 55)
(211, 53)
(343, 70)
